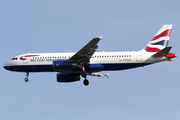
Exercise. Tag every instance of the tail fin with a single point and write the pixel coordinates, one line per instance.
(160, 40)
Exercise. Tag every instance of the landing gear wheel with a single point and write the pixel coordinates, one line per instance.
(26, 79)
(86, 82)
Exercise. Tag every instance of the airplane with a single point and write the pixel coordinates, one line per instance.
(70, 66)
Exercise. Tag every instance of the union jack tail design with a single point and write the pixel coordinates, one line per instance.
(160, 40)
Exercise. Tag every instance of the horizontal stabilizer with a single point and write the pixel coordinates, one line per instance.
(163, 52)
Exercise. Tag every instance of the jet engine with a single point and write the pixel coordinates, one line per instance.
(63, 64)
(64, 77)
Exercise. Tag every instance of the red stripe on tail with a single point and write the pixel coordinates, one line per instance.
(163, 34)
(149, 49)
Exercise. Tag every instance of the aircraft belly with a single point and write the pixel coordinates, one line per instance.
(31, 68)
(123, 66)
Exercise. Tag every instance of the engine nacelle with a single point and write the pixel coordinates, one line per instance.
(64, 77)
(63, 64)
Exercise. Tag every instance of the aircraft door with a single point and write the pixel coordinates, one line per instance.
(139, 56)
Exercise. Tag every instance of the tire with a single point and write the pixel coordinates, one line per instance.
(86, 82)
(26, 79)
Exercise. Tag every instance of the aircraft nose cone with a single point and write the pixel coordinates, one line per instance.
(6, 65)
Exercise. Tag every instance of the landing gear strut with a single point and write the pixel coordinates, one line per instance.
(84, 74)
(26, 79)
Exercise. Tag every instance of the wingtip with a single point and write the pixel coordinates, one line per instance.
(101, 37)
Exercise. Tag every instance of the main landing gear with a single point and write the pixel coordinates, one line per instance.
(26, 79)
(86, 82)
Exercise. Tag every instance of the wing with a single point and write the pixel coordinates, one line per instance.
(83, 56)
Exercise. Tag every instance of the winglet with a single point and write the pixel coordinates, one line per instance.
(101, 37)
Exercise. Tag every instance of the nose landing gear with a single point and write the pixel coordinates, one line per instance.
(26, 79)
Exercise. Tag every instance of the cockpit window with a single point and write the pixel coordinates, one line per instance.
(15, 58)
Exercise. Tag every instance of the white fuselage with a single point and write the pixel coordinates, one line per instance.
(38, 62)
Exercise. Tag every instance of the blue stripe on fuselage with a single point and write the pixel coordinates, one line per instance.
(123, 66)
(49, 68)
(30, 68)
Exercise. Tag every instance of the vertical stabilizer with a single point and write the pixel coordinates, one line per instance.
(160, 40)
